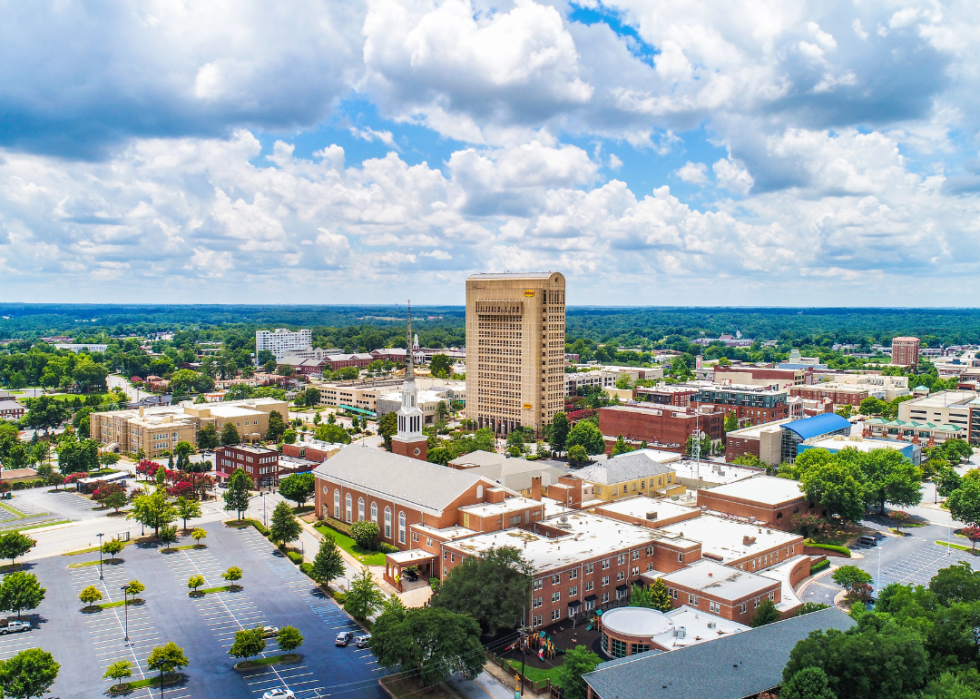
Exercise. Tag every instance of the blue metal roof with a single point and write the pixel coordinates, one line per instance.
(818, 425)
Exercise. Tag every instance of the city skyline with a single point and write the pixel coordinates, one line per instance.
(811, 154)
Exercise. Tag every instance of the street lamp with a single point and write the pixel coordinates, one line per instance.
(264, 522)
(100, 556)
(125, 590)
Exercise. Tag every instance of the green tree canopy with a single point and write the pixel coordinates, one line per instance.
(207, 437)
(558, 434)
(328, 564)
(579, 661)
(364, 596)
(335, 434)
(586, 434)
(964, 502)
(229, 435)
(837, 487)
(298, 487)
(20, 591)
(154, 510)
(765, 613)
(248, 643)
(28, 674)
(237, 493)
(277, 426)
(283, 526)
(492, 588)
(14, 545)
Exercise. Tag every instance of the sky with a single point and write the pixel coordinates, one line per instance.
(680, 152)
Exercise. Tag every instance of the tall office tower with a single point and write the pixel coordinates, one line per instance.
(282, 341)
(905, 350)
(515, 349)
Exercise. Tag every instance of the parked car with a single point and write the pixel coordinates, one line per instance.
(15, 627)
(344, 637)
(279, 693)
(270, 631)
(866, 540)
(362, 641)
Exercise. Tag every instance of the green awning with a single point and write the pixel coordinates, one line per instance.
(357, 410)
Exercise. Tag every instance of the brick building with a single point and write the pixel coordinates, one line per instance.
(679, 396)
(342, 361)
(663, 427)
(312, 449)
(764, 441)
(751, 404)
(771, 501)
(768, 375)
(11, 410)
(838, 393)
(738, 544)
(905, 350)
(261, 463)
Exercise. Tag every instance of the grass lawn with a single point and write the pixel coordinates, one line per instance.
(207, 590)
(271, 660)
(181, 548)
(129, 603)
(103, 397)
(152, 682)
(7, 530)
(368, 558)
(94, 549)
(107, 561)
(536, 674)
(956, 546)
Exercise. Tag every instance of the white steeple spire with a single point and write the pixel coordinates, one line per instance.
(410, 417)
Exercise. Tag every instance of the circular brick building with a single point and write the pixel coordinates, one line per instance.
(631, 630)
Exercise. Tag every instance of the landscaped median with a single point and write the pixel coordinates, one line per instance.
(958, 547)
(831, 548)
(271, 660)
(209, 590)
(126, 687)
(92, 608)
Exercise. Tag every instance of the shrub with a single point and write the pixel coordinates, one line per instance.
(387, 548)
(365, 534)
(829, 547)
(259, 527)
(821, 565)
(306, 569)
(294, 557)
(339, 526)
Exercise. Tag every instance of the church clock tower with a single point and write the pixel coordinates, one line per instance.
(409, 441)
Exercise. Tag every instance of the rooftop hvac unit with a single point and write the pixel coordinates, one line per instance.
(651, 515)
(680, 632)
(712, 624)
(751, 520)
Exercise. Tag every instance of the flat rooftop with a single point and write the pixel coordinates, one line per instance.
(588, 537)
(447, 533)
(768, 490)
(781, 573)
(723, 538)
(699, 627)
(944, 399)
(642, 506)
(493, 509)
(860, 444)
(718, 580)
(712, 471)
(754, 431)
(264, 451)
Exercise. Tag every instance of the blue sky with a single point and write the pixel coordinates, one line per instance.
(755, 153)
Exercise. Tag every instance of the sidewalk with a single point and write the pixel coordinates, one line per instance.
(311, 539)
(482, 687)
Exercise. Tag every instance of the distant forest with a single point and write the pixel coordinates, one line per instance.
(353, 328)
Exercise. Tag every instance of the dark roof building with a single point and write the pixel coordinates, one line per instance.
(731, 667)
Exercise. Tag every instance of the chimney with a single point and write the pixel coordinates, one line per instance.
(748, 540)
(536, 488)
(142, 411)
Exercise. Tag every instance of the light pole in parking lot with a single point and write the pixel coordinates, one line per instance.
(125, 590)
(100, 556)
(264, 522)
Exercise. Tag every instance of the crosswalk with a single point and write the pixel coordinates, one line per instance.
(107, 629)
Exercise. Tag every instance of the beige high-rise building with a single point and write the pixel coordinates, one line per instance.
(515, 349)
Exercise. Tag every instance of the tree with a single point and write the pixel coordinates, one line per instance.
(116, 500)
(971, 533)
(328, 563)
(731, 421)
(621, 447)
(195, 581)
(197, 535)
(165, 659)
(807, 524)
(112, 547)
(15, 544)
(118, 671)
(964, 502)
(364, 596)
(335, 434)
(20, 591)
(558, 434)
(441, 366)
(810, 607)
(168, 534)
(586, 434)
(237, 493)
(187, 509)
(207, 437)
(387, 428)
(855, 581)
(958, 583)
(289, 436)
(229, 435)
(289, 638)
(641, 596)
(277, 426)
(430, 642)
(873, 406)
(492, 588)
(808, 683)
(577, 454)
(876, 659)
(233, 575)
(283, 526)
(153, 510)
(765, 613)
(947, 480)
(28, 674)
(90, 595)
(660, 596)
(134, 587)
(298, 487)
(836, 485)
(365, 534)
(579, 661)
(890, 477)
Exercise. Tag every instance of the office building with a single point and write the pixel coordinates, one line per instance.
(282, 341)
(661, 427)
(905, 351)
(515, 349)
(260, 463)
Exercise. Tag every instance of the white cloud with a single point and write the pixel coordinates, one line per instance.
(370, 135)
(732, 177)
(693, 173)
(614, 162)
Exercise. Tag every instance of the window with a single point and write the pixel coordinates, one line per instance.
(515, 520)
(588, 586)
(556, 615)
(617, 648)
(479, 491)
(360, 509)
(680, 558)
(620, 594)
(589, 569)
(692, 600)
(605, 580)
(538, 601)
(621, 575)
(634, 486)
(401, 527)
(636, 570)
(589, 605)
(374, 512)
(605, 597)
(741, 608)
(348, 507)
(643, 484)
(415, 537)
(556, 596)
(714, 608)
(636, 555)
(640, 648)
(538, 620)
(336, 504)
(649, 550)
(605, 564)
(673, 594)
(620, 559)
(538, 584)
(573, 574)
(573, 590)
(387, 522)
(556, 579)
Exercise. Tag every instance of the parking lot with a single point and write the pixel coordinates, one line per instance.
(274, 593)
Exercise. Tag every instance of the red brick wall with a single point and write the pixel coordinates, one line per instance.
(838, 397)
(303, 452)
(667, 427)
(736, 446)
(730, 608)
(780, 517)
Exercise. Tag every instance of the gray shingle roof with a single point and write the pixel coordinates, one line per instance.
(625, 467)
(731, 667)
(398, 477)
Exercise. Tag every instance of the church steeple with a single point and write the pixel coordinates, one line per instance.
(409, 440)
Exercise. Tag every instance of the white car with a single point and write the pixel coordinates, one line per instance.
(270, 631)
(15, 627)
(279, 693)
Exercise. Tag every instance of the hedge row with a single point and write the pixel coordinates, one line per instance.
(817, 567)
(27, 485)
(829, 547)
(294, 557)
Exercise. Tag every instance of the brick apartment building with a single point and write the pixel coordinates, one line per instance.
(751, 404)
(771, 501)
(731, 594)
(261, 463)
(905, 350)
(664, 426)
(312, 449)
(838, 393)
(342, 361)
(678, 396)
(768, 375)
